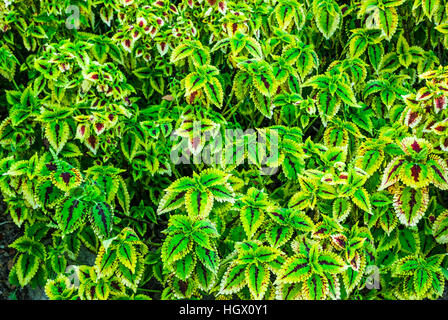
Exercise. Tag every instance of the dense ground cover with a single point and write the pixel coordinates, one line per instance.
(225, 149)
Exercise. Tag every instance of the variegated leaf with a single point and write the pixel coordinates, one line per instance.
(234, 279)
(316, 287)
(198, 203)
(295, 269)
(257, 279)
(410, 205)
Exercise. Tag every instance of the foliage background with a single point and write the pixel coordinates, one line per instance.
(354, 93)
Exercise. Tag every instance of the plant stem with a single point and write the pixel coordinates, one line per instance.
(149, 290)
(153, 243)
(134, 219)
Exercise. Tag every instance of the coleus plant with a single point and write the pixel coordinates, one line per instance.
(313, 138)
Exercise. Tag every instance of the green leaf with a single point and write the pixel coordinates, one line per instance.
(251, 218)
(129, 145)
(438, 283)
(194, 82)
(278, 235)
(265, 83)
(201, 56)
(26, 268)
(123, 195)
(198, 203)
(442, 28)
(237, 42)
(328, 105)
(408, 241)
(127, 255)
(205, 278)
(362, 199)
(330, 263)
(214, 92)
(341, 209)
(404, 55)
(234, 279)
(70, 215)
(185, 266)
(370, 160)
(106, 261)
(280, 216)
(300, 201)
(389, 63)
(375, 52)
(346, 94)
(58, 263)
(318, 82)
(59, 288)
(284, 15)
(57, 133)
(208, 258)
(440, 228)
(301, 222)
(406, 266)
(101, 216)
(37, 231)
(128, 278)
(288, 291)
(88, 238)
(388, 19)
(358, 45)
(71, 150)
(415, 175)
(26, 245)
(181, 52)
(254, 48)
(363, 120)
(206, 227)
(306, 61)
(352, 277)
(328, 16)
(410, 205)
(316, 287)
(143, 73)
(66, 177)
(201, 239)
(430, 7)
(380, 199)
(175, 247)
(295, 269)
(392, 173)
(422, 280)
(257, 278)
(438, 172)
(222, 193)
(266, 254)
(388, 220)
